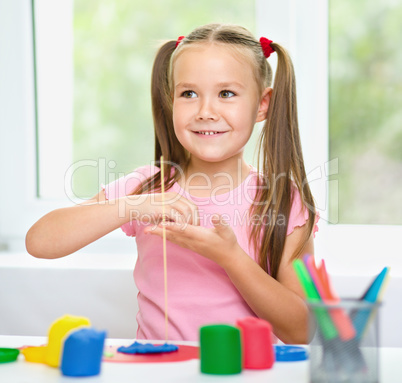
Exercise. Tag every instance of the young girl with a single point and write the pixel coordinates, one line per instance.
(232, 230)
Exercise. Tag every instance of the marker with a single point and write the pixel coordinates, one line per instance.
(376, 288)
(322, 271)
(325, 323)
(340, 318)
(361, 318)
(337, 354)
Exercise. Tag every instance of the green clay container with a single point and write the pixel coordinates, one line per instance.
(220, 350)
(8, 355)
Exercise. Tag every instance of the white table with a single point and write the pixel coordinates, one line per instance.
(185, 372)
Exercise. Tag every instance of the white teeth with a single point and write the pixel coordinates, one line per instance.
(208, 133)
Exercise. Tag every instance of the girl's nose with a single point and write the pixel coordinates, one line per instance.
(207, 111)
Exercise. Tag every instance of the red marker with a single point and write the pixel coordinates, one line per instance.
(341, 320)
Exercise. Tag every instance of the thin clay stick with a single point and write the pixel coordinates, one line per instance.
(164, 247)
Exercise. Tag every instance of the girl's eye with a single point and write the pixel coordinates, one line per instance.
(189, 94)
(226, 94)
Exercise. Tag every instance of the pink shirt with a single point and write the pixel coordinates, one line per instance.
(199, 291)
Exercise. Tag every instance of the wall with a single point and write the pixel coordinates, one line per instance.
(36, 292)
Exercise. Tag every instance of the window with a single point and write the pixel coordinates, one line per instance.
(306, 29)
(99, 65)
(302, 27)
(75, 69)
(365, 118)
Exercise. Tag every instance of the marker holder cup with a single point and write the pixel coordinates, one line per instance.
(345, 341)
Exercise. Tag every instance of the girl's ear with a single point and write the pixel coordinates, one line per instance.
(264, 104)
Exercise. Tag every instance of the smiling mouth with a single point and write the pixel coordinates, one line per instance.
(209, 133)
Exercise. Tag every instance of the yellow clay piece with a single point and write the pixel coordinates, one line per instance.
(57, 333)
(34, 354)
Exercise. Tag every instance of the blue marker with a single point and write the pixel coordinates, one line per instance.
(372, 295)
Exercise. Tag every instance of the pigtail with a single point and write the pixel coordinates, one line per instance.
(283, 167)
(162, 101)
(166, 142)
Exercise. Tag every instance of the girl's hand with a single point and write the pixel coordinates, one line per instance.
(217, 244)
(147, 208)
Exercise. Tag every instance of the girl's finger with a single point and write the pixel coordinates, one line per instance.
(219, 222)
(174, 226)
(171, 227)
(174, 216)
(150, 229)
(189, 211)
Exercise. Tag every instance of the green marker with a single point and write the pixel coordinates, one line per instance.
(324, 320)
(336, 353)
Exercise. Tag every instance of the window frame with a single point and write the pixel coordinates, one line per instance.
(17, 128)
(302, 27)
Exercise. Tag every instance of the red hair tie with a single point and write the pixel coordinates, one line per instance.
(179, 40)
(266, 46)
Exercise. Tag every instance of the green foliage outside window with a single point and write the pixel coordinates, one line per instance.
(365, 109)
(114, 46)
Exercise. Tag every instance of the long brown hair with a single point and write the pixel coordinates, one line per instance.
(280, 159)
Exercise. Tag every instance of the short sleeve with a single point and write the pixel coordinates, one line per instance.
(299, 214)
(125, 186)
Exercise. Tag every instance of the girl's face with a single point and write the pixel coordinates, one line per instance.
(216, 102)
